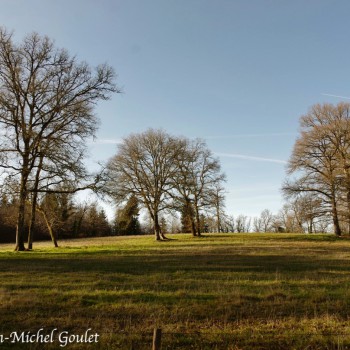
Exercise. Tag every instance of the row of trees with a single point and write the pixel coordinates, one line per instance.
(165, 173)
(299, 215)
(47, 101)
(296, 216)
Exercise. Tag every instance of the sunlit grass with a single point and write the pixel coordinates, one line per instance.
(229, 291)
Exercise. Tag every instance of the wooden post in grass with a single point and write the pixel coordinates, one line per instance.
(157, 339)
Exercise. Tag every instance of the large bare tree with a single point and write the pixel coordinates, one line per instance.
(144, 166)
(47, 103)
(216, 200)
(167, 172)
(321, 158)
(183, 182)
(198, 182)
(206, 180)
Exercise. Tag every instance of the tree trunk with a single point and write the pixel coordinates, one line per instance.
(348, 200)
(336, 224)
(33, 206)
(218, 218)
(198, 221)
(49, 227)
(156, 227)
(191, 217)
(193, 226)
(311, 225)
(20, 228)
(347, 185)
(32, 221)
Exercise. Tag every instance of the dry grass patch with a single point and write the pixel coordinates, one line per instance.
(231, 291)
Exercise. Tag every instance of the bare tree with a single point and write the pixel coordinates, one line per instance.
(334, 123)
(229, 223)
(166, 173)
(198, 182)
(267, 218)
(46, 98)
(55, 209)
(289, 220)
(265, 222)
(204, 179)
(243, 223)
(145, 166)
(216, 198)
(59, 170)
(184, 182)
(316, 158)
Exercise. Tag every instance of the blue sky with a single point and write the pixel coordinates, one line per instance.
(238, 74)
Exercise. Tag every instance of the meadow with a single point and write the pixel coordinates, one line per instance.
(221, 291)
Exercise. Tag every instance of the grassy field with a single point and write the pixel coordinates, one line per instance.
(232, 291)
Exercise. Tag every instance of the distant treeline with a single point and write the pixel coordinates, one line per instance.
(58, 216)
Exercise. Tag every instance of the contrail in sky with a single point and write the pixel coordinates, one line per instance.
(242, 156)
(251, 135)
(107, 142)
(345, 97)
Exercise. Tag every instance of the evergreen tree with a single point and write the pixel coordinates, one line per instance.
(94, 222)
(187, 219)
(127, 221)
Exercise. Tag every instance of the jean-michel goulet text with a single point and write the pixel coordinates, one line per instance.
(43, 336)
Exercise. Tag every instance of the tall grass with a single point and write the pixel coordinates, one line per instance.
(247, 291)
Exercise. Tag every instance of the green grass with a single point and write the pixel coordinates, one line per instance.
(232, 291)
